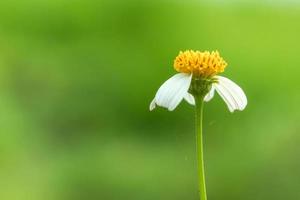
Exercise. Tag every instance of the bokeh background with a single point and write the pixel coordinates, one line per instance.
(77, 77)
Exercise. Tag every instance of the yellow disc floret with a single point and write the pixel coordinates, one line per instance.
(203, 64)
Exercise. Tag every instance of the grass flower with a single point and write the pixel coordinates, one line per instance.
(197, 82)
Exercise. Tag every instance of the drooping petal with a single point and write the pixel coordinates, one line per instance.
(235, 89)
(231, 93)
(189, 98)
(210, 94)
(171, 92)
(152, 105)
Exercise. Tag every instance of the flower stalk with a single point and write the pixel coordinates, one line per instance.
(199, 145)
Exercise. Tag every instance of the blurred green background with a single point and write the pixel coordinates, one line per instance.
(77, 77)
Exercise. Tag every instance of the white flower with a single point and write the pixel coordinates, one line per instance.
(175, 89)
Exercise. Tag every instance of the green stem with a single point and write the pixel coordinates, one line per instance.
(199, 144)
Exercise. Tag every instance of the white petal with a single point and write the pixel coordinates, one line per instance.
(189, 98)
(171, 92)
(152, 105)
(231, 93)
(237, 92)
(210, 94)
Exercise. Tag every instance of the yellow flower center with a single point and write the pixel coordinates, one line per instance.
(203, 64)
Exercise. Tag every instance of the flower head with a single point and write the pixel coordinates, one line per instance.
(198, 77)
(202, 64)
